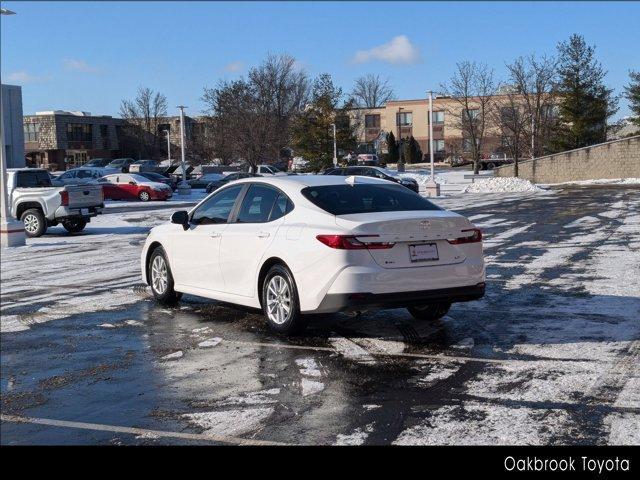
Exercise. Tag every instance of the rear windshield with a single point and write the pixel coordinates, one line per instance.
(366, 198)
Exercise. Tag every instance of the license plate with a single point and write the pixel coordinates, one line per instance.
(84, 211)
(423, 252)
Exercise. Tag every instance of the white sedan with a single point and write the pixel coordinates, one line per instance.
(297, 245)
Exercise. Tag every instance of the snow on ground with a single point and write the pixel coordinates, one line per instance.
(230, 422)
(604, 181)
(501, 184)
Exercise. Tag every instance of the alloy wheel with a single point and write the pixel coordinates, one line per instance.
(278, 300)
(31, 224)
(159, 275)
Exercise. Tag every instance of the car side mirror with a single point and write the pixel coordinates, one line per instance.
(181, 217)
(132, 183)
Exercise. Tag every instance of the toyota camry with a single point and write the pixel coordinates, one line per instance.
(298, 245)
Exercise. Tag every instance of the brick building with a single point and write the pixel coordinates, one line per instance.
(410, 118)
(58, 139)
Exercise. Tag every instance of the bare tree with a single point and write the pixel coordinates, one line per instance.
(472, 88)
(510, 117)
(143, 115)
(535, 81)
(251, 118)
(370, 91)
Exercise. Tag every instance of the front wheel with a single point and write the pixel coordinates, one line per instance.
(144, 196)
(75, 225)
(161, 279)
(280, 301)
(34, 222)
(430, 311)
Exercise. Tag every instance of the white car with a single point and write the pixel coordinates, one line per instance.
(296, 245)
(268, 170)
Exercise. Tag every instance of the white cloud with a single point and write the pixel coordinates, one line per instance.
(24, 77)
(233, 67)
(398, 50)
(79, 66)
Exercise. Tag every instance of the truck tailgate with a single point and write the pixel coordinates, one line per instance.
(84, 195)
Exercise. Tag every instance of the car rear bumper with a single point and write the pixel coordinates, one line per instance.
(86, 212)
(336, 302)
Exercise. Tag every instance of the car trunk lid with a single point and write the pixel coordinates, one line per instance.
(419, 237)
(84, 195)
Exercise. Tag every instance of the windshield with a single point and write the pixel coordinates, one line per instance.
(366, 198)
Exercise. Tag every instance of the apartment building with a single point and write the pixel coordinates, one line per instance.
(406, 118)
(58, 140)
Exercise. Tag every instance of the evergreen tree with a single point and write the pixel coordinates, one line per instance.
(632, 93)
(412, 153)
(392, 146)
(313, 131)
(585, 102)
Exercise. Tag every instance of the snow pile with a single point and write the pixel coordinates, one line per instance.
(423, 178)
(500, 185)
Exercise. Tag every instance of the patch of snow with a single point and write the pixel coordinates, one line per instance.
(500, 185)
(107, 325)
(464, 343)
(230, 422)
(357, 437)
(311, 387)
(438, 372)
(12, 323)
(212, 342)
(351, 350)
(604, 181)
(133, 323)
(173, 356)
(371, 406)
(308, 367)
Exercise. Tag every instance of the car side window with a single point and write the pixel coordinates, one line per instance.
(84, 174)
(281, 207)
(257, 204)
(217, 208)
(69, 174)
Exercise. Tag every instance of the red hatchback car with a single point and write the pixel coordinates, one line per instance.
(129, 186)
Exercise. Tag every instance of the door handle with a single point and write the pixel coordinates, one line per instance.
(263, 234)
(214, 235)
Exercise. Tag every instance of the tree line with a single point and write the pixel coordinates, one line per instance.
(546, 104)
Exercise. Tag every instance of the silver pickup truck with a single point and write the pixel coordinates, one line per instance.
(39, 205)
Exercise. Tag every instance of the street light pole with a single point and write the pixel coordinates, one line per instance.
(11, 231)
(335, 146)
(183, 187)
(400, 164)
(432, 187)
(168, 147)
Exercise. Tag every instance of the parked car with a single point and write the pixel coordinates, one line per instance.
(97, 162)
(269, 170)
(39, 205)
(369, 159)
(131, 186)
(79, 176)
(317, 244)
(377, 172)
(121, 164)
(156, 177)
(204, 180)
(144, 166)
(229, 178)
(299, 164)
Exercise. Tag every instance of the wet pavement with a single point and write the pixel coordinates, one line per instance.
(550, 355)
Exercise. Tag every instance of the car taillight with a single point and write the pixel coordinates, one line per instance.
(350, 242)
(474, 238)
(64, 198)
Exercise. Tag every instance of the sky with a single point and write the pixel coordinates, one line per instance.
(91, 55)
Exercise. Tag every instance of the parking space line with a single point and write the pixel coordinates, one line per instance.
(136, 431)
(444, 358)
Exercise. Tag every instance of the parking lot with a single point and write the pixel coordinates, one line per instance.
(551, 355)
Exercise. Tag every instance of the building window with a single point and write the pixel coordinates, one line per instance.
(31, 131)
(438, 117)
(79, 132)
(438, 145)
(472, 113)
(372, 121)
(104, 131)
(404, 119)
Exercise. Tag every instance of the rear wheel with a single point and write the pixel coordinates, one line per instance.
(35, 224)
(144, 196)
(161, 279)
(75, 225)
(280, 301)
(430, 311)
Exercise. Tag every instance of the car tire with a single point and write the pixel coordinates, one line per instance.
(74, 226)
(160, 278)
(430, 311)
(35, 225)
(280, 302)
(144, 196)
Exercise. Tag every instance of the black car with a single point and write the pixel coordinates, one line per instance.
(229, 178)
(376, 172)
(156, 177)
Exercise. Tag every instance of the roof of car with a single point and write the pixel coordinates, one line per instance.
(311, 180)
